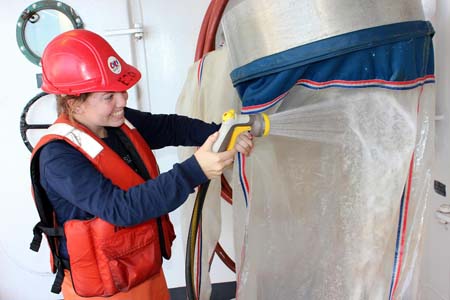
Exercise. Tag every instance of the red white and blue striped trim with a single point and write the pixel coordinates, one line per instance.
(246, 191)
(372, 83)
(401, 233)
(253, 109)
(243, 178)
(200, 70)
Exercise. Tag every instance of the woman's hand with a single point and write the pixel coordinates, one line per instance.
(213, 164)
(244, 143)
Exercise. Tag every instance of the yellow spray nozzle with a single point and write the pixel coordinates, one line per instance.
(266, 124)
(234, 124)
(228, 115)
(236, 132)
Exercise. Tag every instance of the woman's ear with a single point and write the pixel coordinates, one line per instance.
(77, 110)
(74, 106)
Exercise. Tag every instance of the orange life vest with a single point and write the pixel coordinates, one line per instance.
(104, 259)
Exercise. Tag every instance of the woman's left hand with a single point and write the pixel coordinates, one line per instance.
(244, 143)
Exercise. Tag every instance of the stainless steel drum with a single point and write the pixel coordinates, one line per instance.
(258, 28)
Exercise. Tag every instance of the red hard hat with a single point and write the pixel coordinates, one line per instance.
(80, 61)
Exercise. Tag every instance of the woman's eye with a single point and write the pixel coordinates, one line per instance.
(109, 97)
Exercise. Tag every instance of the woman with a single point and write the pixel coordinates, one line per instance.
(102, 202)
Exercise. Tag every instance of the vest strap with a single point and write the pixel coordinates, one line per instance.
(57, 284)
(37, 238)
(40, 228)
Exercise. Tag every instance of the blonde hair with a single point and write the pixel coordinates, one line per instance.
(63, 105)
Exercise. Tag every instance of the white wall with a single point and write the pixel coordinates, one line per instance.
(19, 266)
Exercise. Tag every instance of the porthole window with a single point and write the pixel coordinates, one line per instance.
(40, 23)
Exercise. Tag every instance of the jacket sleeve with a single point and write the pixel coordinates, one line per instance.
(76, 189)
(170, 130)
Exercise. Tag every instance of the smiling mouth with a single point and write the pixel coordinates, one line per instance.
(117, 113)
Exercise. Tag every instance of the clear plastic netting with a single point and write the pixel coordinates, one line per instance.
(327, 188)
(336, 194)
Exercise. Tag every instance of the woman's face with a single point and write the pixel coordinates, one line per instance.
(102, 109)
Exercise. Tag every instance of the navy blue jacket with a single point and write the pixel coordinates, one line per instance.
(78, 191)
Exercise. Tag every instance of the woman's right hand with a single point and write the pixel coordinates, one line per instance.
(213, 164)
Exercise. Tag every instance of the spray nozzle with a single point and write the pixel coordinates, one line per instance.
(234, 124)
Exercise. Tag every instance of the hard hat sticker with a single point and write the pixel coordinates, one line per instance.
(114, 65)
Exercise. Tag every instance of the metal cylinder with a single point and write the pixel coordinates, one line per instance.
(258, 125)
(258, 28)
